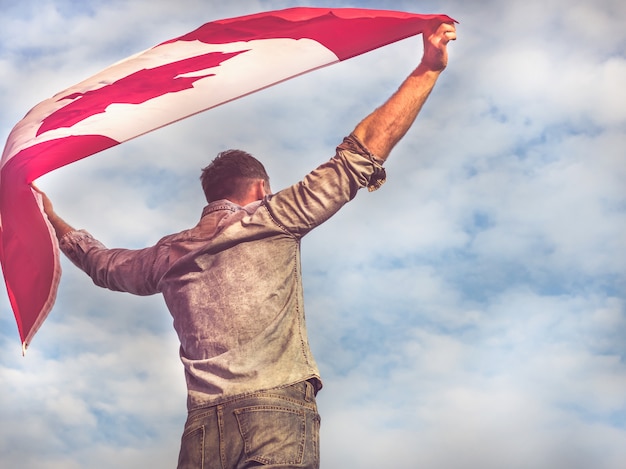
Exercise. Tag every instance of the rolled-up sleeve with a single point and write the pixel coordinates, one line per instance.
(128, 270)
(312, 201)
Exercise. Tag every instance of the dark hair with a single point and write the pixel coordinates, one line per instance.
(230, 174)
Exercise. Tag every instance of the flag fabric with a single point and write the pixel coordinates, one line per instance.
(216, 63)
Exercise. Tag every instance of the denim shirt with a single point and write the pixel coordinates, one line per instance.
(233, 282)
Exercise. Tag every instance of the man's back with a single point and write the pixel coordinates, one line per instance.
(237, 303)
(233, 282)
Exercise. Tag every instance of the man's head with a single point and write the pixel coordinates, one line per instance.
(232, 175)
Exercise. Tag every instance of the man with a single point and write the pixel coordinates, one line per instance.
(233, 286)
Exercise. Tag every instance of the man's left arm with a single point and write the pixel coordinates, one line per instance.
(126, 270)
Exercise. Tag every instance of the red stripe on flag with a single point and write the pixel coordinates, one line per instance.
(28, 251)
(346, 32)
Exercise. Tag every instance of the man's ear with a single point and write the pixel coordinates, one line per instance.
(266, 187)
(258, 189)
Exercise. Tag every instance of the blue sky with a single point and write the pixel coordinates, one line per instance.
(471, 313)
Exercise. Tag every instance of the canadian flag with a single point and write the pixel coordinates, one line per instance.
(218, 62)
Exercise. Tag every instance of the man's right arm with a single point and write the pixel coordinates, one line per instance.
(357, 164)
(383, 128)
(359, 158)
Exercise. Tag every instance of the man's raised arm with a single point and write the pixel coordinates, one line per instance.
(382, 129)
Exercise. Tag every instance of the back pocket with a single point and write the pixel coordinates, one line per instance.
(272, 434)
(192, 449)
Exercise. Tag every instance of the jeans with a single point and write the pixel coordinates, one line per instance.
(278, 428)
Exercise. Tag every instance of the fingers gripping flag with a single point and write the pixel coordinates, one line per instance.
(216, 63)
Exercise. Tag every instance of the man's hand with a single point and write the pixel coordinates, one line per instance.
(60, 226)
(436, 41)
(47, 203)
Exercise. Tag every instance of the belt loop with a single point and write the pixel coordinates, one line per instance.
(309, 394)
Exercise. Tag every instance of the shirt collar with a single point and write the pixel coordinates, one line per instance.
(222, 204)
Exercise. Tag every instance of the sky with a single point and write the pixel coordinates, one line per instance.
(470, 313)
